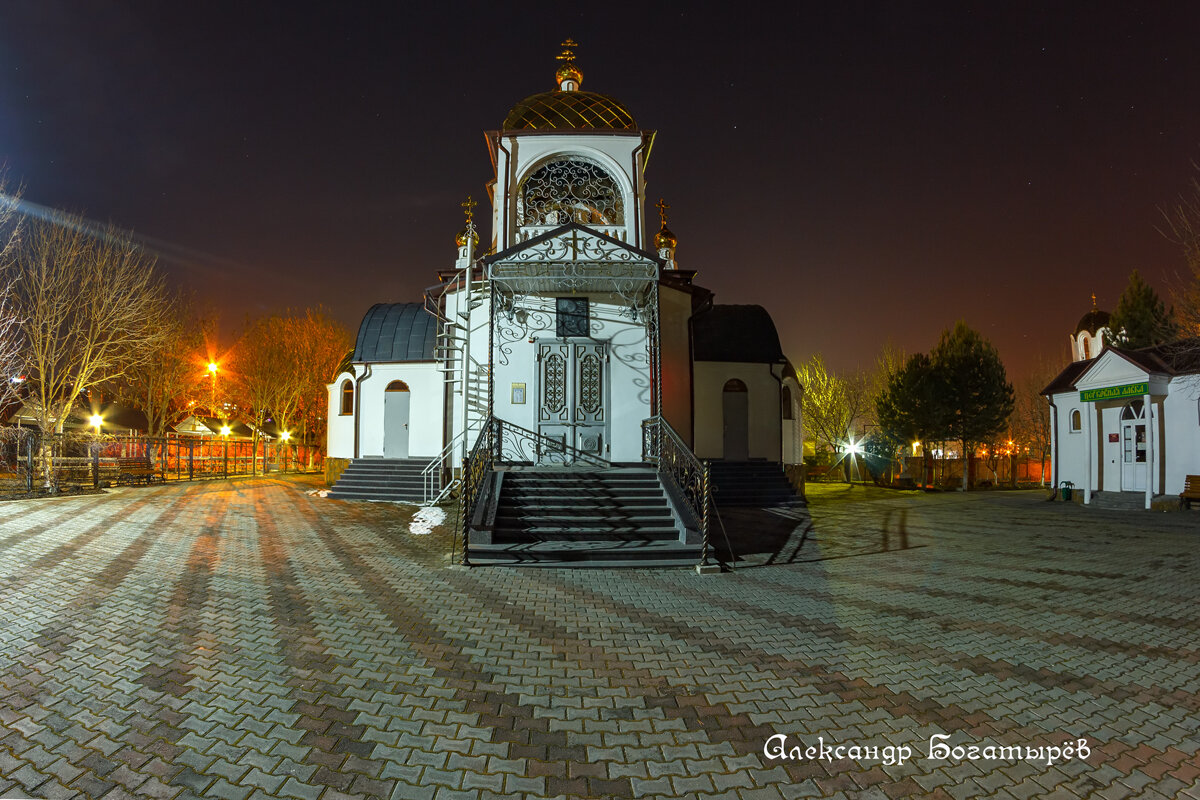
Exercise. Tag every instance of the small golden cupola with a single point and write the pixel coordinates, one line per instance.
(665, 241)
(568, 77)
(468, 233)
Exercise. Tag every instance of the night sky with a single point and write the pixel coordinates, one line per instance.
(867, 172)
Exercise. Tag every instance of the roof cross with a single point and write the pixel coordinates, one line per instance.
(468, 206)
(662, 207)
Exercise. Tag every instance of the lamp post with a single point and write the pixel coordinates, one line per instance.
(212, 372)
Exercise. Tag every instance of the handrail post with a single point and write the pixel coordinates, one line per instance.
(704, 502)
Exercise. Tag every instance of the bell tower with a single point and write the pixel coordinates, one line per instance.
(569, 155)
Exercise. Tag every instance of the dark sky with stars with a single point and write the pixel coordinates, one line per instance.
(868, 172)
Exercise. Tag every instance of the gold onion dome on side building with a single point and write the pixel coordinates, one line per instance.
(665, 239)
(567, 108)
(460, 238)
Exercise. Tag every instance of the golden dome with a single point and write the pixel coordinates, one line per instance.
(569, 111)
(568, 72)
(460, 238)
(664, 239)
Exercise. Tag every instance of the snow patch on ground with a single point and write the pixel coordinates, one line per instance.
(425, 520)
(317, 492)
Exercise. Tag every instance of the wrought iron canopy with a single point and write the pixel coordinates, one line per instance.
(574, 259)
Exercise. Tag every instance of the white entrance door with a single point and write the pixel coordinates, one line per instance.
(1133, 448)
(573, 395)
(395, 420)
(735, 409)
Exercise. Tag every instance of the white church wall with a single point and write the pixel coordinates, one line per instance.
(676, 360)
(1181, 429)
(1073, 443)
(763, 388)
(339, 435)
(425, 408)
(514, 346)
(520, 155)
(793, 429)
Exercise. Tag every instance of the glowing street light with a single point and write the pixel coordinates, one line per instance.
(225, 430)
(96, 421)
(285, 435)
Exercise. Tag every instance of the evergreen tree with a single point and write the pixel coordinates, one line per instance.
(978, 396)
(912, 405)
(1140, 319)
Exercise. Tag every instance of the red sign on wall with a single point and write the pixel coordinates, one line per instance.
(1114, 437)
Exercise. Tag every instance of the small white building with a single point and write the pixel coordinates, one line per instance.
(1128, 421)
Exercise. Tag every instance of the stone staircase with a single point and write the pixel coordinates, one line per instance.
(392, 479)
(1118, 501)
(751, 483)
(618, 517)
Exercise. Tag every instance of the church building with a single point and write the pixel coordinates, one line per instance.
(1125, 423)
(570, 379)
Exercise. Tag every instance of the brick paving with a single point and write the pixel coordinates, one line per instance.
(247, 640)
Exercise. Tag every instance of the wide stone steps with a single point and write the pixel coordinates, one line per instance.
(601, 518)
(751, 483)
(389, 479)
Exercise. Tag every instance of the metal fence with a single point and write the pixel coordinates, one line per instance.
(31, 462)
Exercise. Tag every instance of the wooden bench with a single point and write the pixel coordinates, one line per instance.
(1191, 490)
(135, 470)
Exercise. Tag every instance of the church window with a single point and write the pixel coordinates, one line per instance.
(569, 190)
(1087, 348)
(397, 386)
(1076, 421)
(347, 397)
(572, 318)
(785, 403)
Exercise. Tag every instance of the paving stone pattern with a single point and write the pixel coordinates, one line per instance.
(247, 640)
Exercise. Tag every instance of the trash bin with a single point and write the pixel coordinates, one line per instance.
(1067, 486)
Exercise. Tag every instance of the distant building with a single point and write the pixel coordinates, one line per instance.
(1125, 421)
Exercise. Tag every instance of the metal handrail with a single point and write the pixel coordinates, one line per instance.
(476, 469)
(431, 476)
(676, 462)
(517, 445)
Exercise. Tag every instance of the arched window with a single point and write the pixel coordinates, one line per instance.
(785, 403)
(1076, 421)
(1087, 347)
(734, 385)
(397, 386)
(347, 397)
(1135, 410)
(570, 190)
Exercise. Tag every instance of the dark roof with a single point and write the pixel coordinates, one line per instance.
(1066, 379)
(396, 332)
(1181, 357)
(1092, 321)
(735, 333)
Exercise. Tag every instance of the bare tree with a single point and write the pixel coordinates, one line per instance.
(834, 407)
(11, 339)
(281, 365)
(90, 306)
(1031, 412)
(164, 387)
(1183, 227)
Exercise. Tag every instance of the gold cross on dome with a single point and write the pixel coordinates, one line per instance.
(568, 53)
(662, 207)
(469, 208)
(1093, 300)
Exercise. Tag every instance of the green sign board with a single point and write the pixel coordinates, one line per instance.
(1114, 392)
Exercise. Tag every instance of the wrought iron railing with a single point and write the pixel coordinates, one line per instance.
(476, 470)
(676, 462)
(517, 445)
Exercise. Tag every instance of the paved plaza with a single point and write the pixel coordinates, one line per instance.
(246, 639)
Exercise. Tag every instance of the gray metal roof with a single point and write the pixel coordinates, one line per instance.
(396, 332)
(743, 334)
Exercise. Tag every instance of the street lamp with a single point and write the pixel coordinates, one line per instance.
(96, 421)
(224, 430)
(212, 371)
